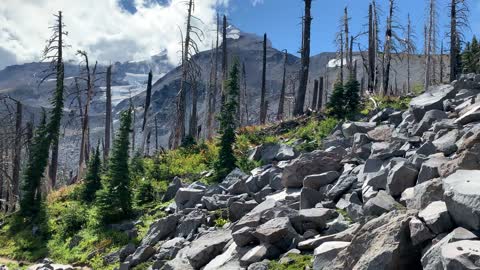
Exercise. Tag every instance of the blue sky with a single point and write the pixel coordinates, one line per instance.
(280, 19)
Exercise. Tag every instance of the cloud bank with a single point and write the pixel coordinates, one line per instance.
(103, 28)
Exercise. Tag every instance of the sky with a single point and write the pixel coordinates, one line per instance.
(127, 30)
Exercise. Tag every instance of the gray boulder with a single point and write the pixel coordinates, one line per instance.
(431, 100)
(381, 203)
(462, 197)
(402, 176)
(206, 247)
(430, 169)
(188, 197)
(326, 252)
(160, 230)
(258, 253)
(238, 209)
(386, 150)
(316, 162)
(436, 217)
(244, 237)
(172, 189)
(432, 257)
(188, 225)
(273, 152)
(382, 243)
(381, 133)
(278, 232)
(461, 255)
(423, 194)
(142, 254)
(428, 119)
(316, 181)
(446, 143)
(349, 129)
(419, 232)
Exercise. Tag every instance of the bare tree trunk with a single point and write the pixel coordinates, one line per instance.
(320, 94)
(441, 64)
(133, 129)
(211, 119)
(224, 57)
(376, 43)
(148, 98)
(108, 114)
(388, 47)
(454, 42)
(156, 134)
(341, 59)
(281, 102)
(245, 94)
(347, 43)
(315, 95)
(305, 60)
(371, 51)
(409, 54)
(263, 109)
(193, 125)
(428, 60)
(17, 156)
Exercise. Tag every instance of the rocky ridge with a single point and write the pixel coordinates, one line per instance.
(398, 191)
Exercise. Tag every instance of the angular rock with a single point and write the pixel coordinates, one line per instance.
(423, 194)
(386, 150)
(428, 119)
(315, 162)
(461, 255)
(462, 197)
(431, 100)
(315, 218)
(381, 203)
(316, 181)
(436, 217)
(188, 225)
(381, 133)
(160, 230)
(258, 253)
(326, 252)
(310, 197)
(244, 237)
(382, 243)
(446, 143)
(188, 197)
(172, 189)
(349, 129)
(341, 187)
(238, 209)
(142, 254)
(205, 248)
(278, 232)
(419, 232)
(430, 169)
(401, 177)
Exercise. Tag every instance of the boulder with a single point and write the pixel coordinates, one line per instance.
(382, 115)
(188, 225)
(160, 230)
(461, 255)
(316, 162)
(431, 100)
(310, 197)
(142, 254)
(252, 218)
(446, 143)
(229, 259)
(269, 152)
(314, 218)
(462, 197)
(436, 217)
(349, 129)
(169, 249)
(419, 232)
(386, 150)
(432, 257)
(316, 181)
(472, 115)
(382, 243)
(238, 209)
(381, 203)
(430, 169)
(278, 232)
(426, 149)
(341, 186)
(381, 133)
(188, 197)
(172, 189)
(326, 252)
(232, 178)
(258, 253)
(244, 237)
(402, 176)
(423, 194)
(428, 119)
(206, 247)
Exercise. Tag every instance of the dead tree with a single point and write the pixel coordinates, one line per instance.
(429, 70)
(17, 156)
(224, 57)
(441, 64)
(263, 105)
(371, 50)
(195, 74)
(315, 95)
(281, 102)
(320, 94)
(156, 134)
(108, 114)
(458, 20)
(410, 50)
(388, 49)
(305, 60)
(347, 43)
(145, 128)
(89, 78)
(214, 86)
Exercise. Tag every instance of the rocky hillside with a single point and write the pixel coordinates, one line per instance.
(397, 191)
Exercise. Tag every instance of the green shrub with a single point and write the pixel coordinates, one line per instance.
(298, 262)
(144, 192)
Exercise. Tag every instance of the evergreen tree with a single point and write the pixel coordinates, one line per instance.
(92, 179)
(226, 160)
(351, 97)
(471, 57)
(337, 101)
(115, 199)
(36, 164)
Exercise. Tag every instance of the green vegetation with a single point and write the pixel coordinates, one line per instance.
(93, 180)
(226, 159)
(312, 133)
(345, 100)
(294, 262)
(397, 103)
(471, 57)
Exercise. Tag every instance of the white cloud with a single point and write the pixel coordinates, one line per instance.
(101, 27)
(256, 2)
